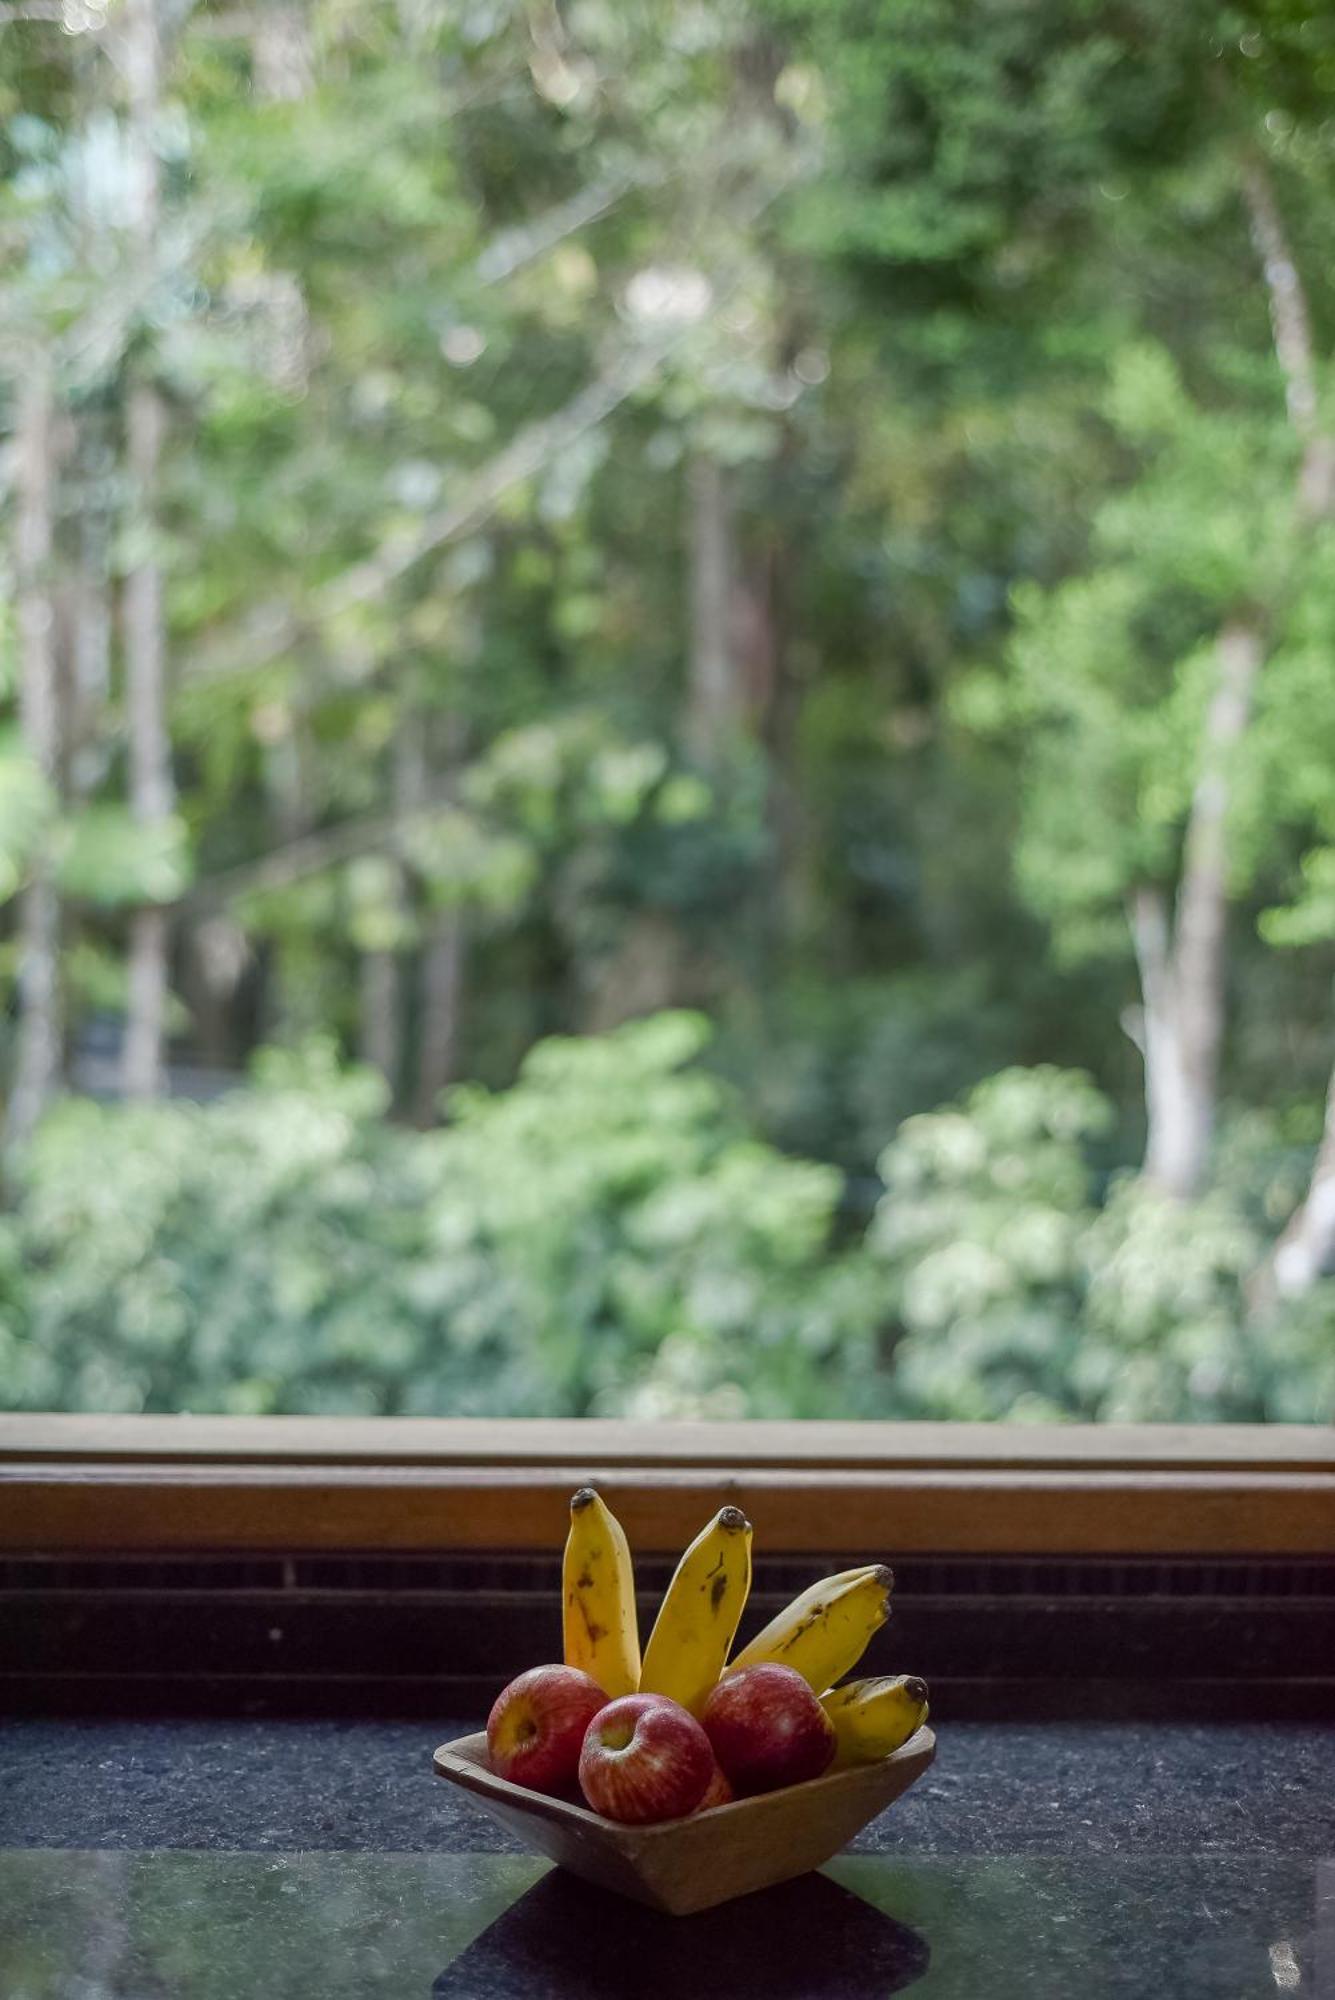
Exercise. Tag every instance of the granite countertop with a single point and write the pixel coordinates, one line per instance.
(1077, 1789)
(197, 1858)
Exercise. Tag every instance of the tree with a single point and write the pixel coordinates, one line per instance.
(152, 793)
(994, 177)
(1121, 627)
(37, 1060)
(1182, 978)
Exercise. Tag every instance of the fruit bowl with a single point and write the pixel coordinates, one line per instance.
(684, 1865)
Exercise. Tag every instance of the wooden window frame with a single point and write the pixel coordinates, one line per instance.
(170, 1484)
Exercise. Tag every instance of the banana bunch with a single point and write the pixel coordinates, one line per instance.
(822, 1634)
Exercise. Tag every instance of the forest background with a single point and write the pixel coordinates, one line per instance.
(668, 707)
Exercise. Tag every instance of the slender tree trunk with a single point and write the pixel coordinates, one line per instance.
(380, 1004)
(214, 963)
(1291, 323)
(775, 693)
(152, 796)
(652, 966)
(381, 973)
(1183, 974)
(713, 699)
(442, 970)
(38, 1041)
(444, 963)
(1306, 1250)
(86, 751)
(293, 805)
(281, 53)
(1183, 978)
(151, 790)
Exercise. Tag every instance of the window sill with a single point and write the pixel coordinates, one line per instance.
(140, 1484)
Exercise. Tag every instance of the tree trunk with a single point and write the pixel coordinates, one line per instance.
(293, 804)
(443, 967)
(283, 63)
(151, 792)
(86, 751)
(1183, 975)
(38, 1040)
(1306, 1250)
(381, 973)
(444, 962)
(1182, 978)
(152, 796)
(774, 693)
(713, 701)
(651, 968)
(1180, 1113)
(653, 965)
(380, 1004)
(1291, 324)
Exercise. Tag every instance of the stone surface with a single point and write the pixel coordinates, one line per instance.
(1019, 1789)
(167, 1925)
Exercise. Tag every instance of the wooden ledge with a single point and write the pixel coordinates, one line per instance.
(541, 1441)
(140, 1484)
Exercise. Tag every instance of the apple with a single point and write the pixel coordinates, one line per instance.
(768, 1729)
(645, 1759)
(718, 1792)
(536, 1727)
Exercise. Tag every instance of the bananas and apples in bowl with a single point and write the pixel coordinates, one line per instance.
(685, 1777)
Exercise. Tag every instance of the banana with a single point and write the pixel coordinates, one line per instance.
(699, 1615)
(873, 1717)
(598, 1585)
(824, 1631)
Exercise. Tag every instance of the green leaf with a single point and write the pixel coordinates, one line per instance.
(26, 808)
(106, 856)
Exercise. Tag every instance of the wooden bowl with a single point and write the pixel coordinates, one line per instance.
(691, 1864)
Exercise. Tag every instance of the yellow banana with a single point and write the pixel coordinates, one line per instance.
(824, 1632)
(698, 1620)
(602, 1637)
(873, 1717)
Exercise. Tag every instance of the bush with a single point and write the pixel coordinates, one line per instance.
(1018, 1295)
(981, 1229)
(259, 1253)
(602, 1236)
(606, 1236)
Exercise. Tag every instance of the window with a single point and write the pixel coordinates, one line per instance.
(664, 757)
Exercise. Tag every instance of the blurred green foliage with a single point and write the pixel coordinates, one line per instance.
(604, 1237)
(961, 308)
(1028, 1285)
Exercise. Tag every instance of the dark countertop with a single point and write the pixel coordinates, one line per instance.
(1074, 1789)
(225, 1860)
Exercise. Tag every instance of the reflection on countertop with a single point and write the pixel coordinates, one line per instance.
(148, 1925)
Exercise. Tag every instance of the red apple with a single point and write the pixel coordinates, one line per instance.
(536, 1727)
(645, 1759)
(768, 1729)
(717, 1793)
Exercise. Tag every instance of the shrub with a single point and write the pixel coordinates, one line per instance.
(1018, 1295)
(602, 1235)
(606, 1236)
